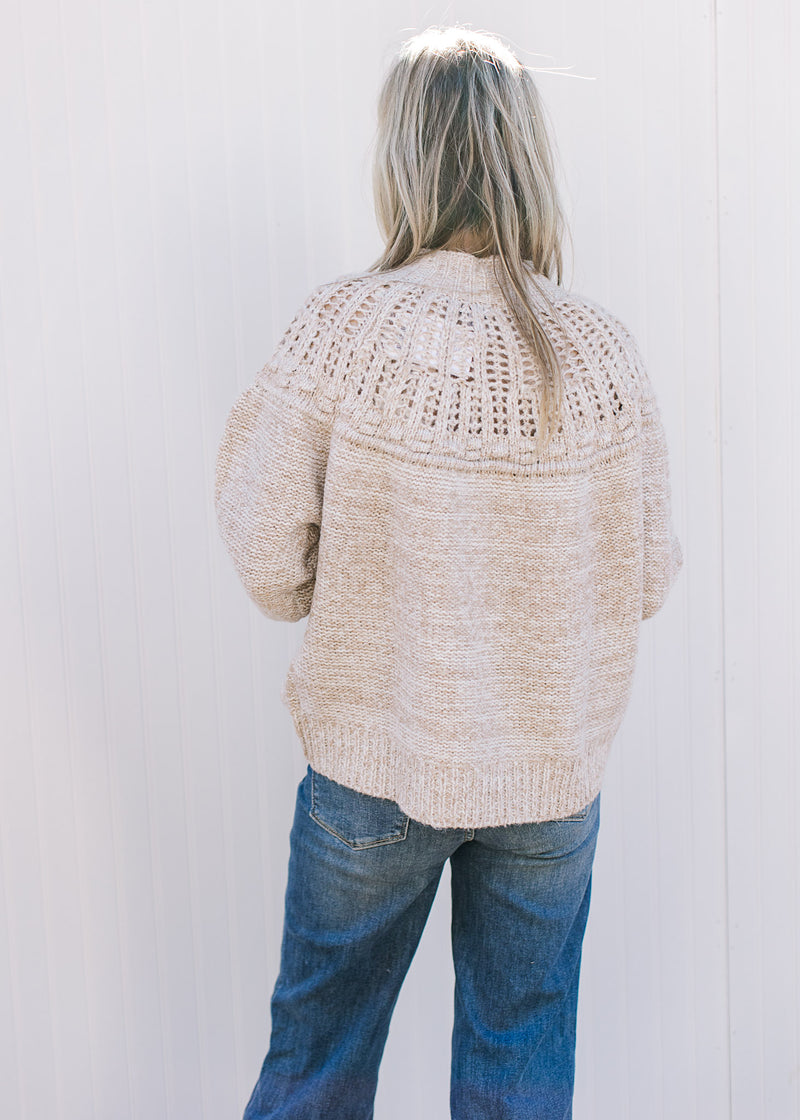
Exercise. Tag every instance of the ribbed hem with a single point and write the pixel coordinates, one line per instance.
(444, 792)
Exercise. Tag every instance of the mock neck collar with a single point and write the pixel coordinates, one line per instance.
(455, 270)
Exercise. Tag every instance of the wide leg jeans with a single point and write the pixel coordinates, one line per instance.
(362, 878)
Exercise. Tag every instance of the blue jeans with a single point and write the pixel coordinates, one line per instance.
(362, 878)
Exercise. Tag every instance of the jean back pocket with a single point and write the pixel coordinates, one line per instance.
(358, 819)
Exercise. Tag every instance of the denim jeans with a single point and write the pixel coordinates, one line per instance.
(362, 878)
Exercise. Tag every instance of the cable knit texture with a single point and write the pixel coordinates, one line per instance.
(473, 610)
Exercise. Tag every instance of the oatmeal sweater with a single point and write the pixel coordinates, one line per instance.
(473, 611)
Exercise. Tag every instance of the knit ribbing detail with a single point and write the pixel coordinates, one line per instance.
(442, 793)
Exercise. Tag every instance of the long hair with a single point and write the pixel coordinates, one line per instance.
(463, 148)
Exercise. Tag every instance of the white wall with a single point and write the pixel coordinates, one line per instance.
(176, 177)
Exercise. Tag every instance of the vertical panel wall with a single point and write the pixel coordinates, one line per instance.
(759, 183)
(176, 178)
(639, 148)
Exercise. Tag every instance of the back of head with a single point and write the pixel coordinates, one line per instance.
(463, 158)
(462, 145)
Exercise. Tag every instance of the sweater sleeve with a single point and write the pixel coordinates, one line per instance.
(269, 484)
(663, 556)
(270, 474)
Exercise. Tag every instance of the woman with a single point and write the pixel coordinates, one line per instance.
(456, 468)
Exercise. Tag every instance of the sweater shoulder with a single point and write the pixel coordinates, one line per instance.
(305, 363)
(330, 306)
(589, 318)
(611, 338)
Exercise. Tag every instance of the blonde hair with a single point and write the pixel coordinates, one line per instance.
(463, 148)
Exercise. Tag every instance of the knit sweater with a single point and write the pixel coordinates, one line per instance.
(473, 609)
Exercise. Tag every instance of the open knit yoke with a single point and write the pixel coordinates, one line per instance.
(473, 610)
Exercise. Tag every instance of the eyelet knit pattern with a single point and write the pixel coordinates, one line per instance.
(473, 608)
